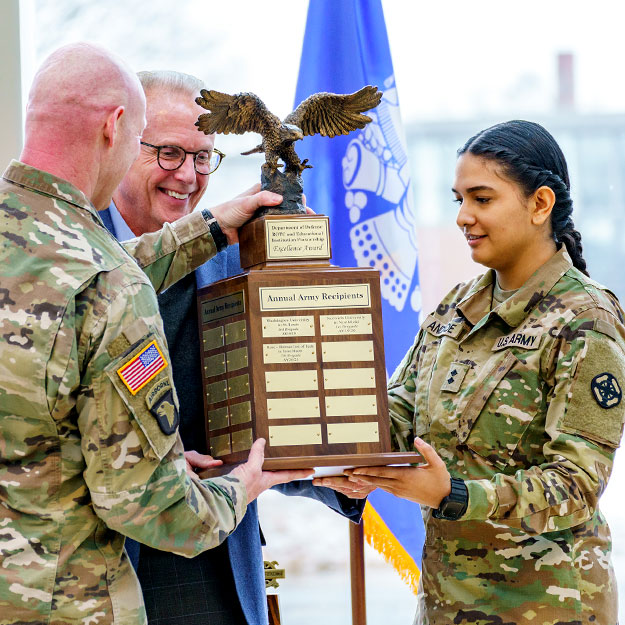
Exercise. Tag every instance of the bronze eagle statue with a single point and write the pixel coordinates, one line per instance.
(327, 114)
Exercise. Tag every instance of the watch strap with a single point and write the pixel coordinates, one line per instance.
(455, 504)
(221, 242)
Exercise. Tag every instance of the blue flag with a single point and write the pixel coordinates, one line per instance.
(362, 182)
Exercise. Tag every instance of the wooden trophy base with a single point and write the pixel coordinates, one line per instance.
(327, 465)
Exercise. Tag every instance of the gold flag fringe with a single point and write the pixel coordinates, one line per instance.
(384, 542)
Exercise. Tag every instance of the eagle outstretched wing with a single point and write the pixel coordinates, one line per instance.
(239, 113)
(331, 114)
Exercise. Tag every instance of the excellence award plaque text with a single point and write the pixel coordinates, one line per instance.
(293, 352)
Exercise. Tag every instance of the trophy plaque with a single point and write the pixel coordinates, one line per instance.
(292, 348)
(293, 352)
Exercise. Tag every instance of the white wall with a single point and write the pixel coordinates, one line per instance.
(16, 53)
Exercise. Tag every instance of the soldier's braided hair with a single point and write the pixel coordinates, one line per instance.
(531, 157)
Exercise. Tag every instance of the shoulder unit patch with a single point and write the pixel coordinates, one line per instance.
(606, 390)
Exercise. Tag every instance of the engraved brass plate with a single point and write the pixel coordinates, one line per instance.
(297, 238)
(349, 378)
(309, 434)
(236, 332)
(222, 307)
(242, 440)
(293, 407)
(214, 365)
(216, 392)
(289, 352)
(236, 359)
(238, 386)
(288, 326)
(220, 445)
(332, 325)
(213, 338)
(218, 419)
(354, 351)
(311, 297)
(240, 413)
(353, 432)
(291, 381)
(350, 405)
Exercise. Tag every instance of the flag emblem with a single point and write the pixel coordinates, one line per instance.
(136, 373)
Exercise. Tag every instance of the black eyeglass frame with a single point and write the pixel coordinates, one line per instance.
(158, 149)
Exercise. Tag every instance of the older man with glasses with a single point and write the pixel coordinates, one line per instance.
(224, 585)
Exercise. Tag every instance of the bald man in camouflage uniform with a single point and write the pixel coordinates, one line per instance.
(89, 449)
(524, 403)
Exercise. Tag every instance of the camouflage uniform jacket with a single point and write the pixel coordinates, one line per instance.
(524, 403)
(89, 449)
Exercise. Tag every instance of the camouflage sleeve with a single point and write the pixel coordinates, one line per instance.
(128, 420)
(402, 400)
(585, 371)
(176, 250)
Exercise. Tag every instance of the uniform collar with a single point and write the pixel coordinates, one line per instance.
(43, 182)
(514, 310)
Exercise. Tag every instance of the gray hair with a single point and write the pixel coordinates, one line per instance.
(170, 82)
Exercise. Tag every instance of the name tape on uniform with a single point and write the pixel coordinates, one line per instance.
(438, 328)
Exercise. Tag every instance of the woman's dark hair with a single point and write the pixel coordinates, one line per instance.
(530, 156)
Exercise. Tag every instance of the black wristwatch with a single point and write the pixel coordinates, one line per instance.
(455, 504)
(219, 237)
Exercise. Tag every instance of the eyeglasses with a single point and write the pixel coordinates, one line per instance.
(171, 157)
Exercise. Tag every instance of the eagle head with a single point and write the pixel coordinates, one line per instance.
(289, 133)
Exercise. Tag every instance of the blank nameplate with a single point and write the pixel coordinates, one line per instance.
(240, 413)
(288, 326)
(351, 405)
(309, 434)
(236, 359)
(289, 352)
(215, 365)
(220, 445)
(354, 351)
(216, 392)
(353, 432)
(235, 332)
(345, 324)
(349, 378)
(241, 440)
(213, 338)
(218, 419)
(238, 386)
(293, 408)
(291, 380)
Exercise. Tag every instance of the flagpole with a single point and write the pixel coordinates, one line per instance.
(357, 567)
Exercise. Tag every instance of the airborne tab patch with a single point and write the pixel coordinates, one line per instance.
(606, 390)
(525, 339)
(160, 401)
(136, 373)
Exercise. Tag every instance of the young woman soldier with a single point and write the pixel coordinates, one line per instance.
(515, 381)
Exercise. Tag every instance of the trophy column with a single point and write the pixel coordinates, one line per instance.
(293, 352)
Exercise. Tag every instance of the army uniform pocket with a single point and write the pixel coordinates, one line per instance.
(504, 403)
(425, 365)
(142, 379)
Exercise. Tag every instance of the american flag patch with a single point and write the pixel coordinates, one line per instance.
(136, 373)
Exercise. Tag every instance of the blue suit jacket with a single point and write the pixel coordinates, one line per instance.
(244, 544)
